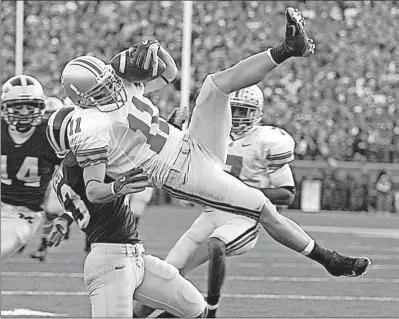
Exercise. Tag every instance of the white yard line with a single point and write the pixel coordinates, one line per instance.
(230, 278)
(235, 296)
(30, 312)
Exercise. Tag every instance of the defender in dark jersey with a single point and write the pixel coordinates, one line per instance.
(111, 222)
(27, 162)
(115, 270)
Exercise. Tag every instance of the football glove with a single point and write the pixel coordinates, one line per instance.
(132, 182)
(145, 55)
(59, 230)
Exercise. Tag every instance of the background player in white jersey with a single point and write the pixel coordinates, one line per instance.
(27, 162)
(115, 129)
(116, 271)
(259, 156)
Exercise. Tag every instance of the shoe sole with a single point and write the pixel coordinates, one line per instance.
(365, 270)
(367, 267)
(300, 25)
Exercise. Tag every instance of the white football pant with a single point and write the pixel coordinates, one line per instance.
(197, 173)
(238, 233)
(115, 274)
(18, 225)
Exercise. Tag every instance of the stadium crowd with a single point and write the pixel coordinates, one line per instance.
(341, 103)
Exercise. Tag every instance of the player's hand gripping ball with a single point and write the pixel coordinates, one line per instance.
(140, 63)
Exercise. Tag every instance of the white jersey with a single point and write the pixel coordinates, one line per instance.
(126, 138)
(259, 153)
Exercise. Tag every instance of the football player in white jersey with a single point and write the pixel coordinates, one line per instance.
(115, 129)
(139, 201)
(259, 156)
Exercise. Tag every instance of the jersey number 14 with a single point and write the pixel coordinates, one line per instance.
(27, 173)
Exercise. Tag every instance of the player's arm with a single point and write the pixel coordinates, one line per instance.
(282, 179)
(280, 147)
(90, 147)
(167, 77)
(254, 69)
(99, 192)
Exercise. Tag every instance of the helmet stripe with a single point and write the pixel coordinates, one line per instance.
(63, 132)
(91, 64)
(50, 133)
(24, 83)
(57, 129)
(86, 66)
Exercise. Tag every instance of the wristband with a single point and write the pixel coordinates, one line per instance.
(270, 56)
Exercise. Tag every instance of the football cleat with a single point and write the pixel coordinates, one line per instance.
(296, 40)
(347, 266)
(39, 254)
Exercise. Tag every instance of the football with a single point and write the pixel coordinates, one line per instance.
(124, 67)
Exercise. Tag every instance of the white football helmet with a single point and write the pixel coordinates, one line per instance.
(89, 82)
(22, 102)
(247, 108)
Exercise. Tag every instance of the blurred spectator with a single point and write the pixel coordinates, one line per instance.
(341, 103)
(383, 187)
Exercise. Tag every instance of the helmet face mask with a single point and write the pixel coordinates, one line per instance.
(23, 104)
(244, 117)
(90, 83)
(246, 108)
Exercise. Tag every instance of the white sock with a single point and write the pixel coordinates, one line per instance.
(213, 307)
(308, 248)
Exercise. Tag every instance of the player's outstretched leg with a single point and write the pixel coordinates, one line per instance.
(211, 120)
(288, 233)
(216, 273)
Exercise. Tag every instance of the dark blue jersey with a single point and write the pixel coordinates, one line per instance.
(27, 168)
(111, 222)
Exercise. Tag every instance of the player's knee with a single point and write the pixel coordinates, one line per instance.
(216, 248)
(269, 215)
(195, 304)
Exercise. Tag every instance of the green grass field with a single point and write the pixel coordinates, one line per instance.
(270, 281)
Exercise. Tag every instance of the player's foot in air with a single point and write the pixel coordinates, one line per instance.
(39, 254)
(296, 40)
(347, 266)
